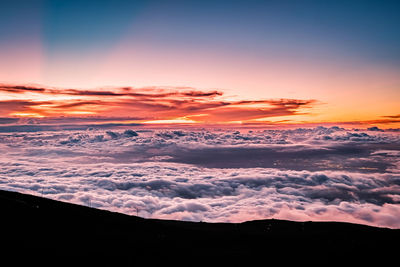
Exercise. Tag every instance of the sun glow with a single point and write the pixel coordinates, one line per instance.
(79, 112)
(27, 114)
(171, 121)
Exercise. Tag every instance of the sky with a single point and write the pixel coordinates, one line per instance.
(216, 111)
(201, 62)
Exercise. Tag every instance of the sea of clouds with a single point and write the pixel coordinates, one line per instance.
(324, 174)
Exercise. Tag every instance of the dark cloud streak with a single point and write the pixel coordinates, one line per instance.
(125, 91)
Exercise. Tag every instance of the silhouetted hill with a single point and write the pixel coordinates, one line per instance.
(40, 229)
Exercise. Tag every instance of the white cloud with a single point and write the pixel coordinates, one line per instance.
(149, 173)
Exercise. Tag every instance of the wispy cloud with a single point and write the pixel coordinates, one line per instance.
(392, 116)
(152, 91)
(158, 104)
(152, 103)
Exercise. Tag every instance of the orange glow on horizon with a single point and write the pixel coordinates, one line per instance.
(172, 121)
(27, 115)
(178, 105)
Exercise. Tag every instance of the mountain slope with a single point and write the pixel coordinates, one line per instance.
(35, 226)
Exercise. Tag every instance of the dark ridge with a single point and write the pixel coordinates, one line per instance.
(41, 230)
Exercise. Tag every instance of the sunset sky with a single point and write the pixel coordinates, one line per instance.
(200, 62)
(216, 111)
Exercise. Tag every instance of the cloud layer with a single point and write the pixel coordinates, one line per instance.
(301, 174)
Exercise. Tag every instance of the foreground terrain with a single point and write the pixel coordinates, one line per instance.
(42, 229)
